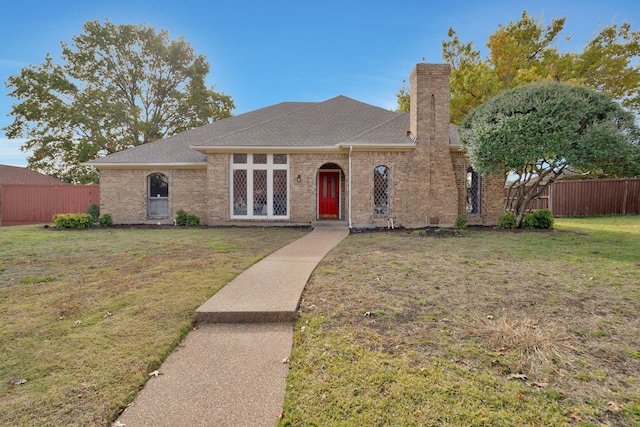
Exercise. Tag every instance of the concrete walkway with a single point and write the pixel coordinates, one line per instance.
(232, 369)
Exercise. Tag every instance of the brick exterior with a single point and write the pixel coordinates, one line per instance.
(426, 184)
(125, 194)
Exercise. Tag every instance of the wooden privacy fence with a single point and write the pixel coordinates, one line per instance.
(591, 197)
(36, 204)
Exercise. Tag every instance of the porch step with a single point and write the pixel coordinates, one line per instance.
(330, 224)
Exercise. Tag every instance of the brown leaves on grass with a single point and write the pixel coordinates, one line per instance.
(537, 345)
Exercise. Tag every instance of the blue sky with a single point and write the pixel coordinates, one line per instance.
(265, 52)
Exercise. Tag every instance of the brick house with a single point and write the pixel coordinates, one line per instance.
(296, 163)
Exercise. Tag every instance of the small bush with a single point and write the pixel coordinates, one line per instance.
(540, 219)
(507, 220)
(94, 211)
(105, 220)
(460, 223)
(79, 220)
(528, 221)
(186, 219)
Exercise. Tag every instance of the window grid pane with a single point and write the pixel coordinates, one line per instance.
(280, 192)
(239, 158)
(240, 192)
(260, 192)
(158, 207)
(158, 185)
(259, 159)
(279, 159)
(381, 191)
(324, 187)
(473, 191)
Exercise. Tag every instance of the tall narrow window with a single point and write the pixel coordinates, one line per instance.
(260, 192)
(259, 186)
(381, 191)
(473, 191)
(158, 195)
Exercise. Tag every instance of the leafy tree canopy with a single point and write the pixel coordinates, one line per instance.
(525, 51)
(119, 86)
(542, 130)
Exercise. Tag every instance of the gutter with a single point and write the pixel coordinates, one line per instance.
(350, 150)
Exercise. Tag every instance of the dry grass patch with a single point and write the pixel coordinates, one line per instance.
(86, 315)
(481, 328)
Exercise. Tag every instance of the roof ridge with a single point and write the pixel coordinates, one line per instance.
(307, 105)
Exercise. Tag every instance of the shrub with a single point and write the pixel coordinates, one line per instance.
(79, 220)
(507, 220)
(528, 221)
(460, 223)
(183, 218)
(541, 219)
(94, 211)
(105, 220)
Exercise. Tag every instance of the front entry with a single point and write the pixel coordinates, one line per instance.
(329, 194)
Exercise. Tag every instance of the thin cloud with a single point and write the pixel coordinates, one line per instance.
(10, 153)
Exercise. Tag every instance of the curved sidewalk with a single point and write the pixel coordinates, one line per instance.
(232, 369)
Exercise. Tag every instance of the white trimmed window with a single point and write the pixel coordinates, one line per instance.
(259, 186)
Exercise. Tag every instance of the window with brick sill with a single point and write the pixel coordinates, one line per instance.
(158, 196)
(259, 186)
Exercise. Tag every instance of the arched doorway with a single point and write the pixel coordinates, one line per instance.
(329, 186)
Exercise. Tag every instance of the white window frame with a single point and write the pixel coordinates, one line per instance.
(250, 167)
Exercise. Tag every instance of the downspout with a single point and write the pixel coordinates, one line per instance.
(350, 150)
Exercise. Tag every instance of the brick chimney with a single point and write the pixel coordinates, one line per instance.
(429, 108)
(431, 161)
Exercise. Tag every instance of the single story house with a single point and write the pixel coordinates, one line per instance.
(296, 163)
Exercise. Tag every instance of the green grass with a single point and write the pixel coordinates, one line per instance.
(86, 315)
(494, 328)
(531, 328)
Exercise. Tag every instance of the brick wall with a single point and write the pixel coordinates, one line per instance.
(491, 190)
(304, 194)
(125, 194)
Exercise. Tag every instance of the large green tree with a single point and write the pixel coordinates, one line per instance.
(118, 86)
(542, 130)
(527, 50)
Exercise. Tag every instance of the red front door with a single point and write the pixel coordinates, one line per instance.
(329, 195)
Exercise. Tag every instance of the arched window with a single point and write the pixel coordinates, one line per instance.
(158, 195)
(473, 191)
(381, 191)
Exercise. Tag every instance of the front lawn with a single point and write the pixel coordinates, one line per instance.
(479, 328)
(86, 315)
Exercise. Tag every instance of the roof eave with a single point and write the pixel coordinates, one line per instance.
(154, 165)
(338, 148)
(265, 149)
(409, 146)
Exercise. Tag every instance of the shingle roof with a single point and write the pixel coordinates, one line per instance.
(10, 175)
(339, 121)
(336, 121)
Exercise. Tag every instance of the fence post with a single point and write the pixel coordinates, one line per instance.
(624, 197)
